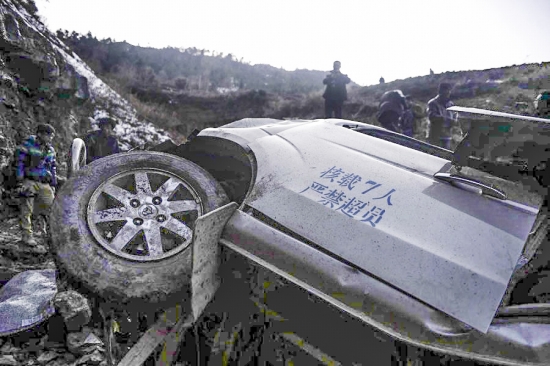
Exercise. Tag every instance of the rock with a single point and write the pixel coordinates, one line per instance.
(21, 357)
(56, 329)
(92, 359)
(40, 249)
(54, 346)
(83, 90)
(57, 363)
(85, 342)
(35, 344)
(9, 349)
(91, 349)
(47, 357)
(8, 360)
(74, 309)
(69, 357)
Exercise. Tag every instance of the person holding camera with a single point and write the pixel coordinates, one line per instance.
(335, 92)
(36, 178)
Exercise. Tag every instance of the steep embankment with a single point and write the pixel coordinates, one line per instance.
(42, 80)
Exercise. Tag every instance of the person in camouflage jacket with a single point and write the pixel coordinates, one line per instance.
(36, 178)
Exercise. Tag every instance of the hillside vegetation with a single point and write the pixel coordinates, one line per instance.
(184, 89)
(189, 69)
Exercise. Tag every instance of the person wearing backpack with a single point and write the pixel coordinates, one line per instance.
(395, 113)
(36, 178)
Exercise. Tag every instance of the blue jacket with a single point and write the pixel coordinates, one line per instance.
(36, 161)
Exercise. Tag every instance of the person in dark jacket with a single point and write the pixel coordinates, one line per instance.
(335, 92)
(441, 120)
(36, 178)
(395, 113)
(103, 142)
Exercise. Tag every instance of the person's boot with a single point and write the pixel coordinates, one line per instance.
(29, 240)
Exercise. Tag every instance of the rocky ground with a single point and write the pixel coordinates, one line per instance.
(40, 347)
(15, 257)
(71, 336)
(77, 334)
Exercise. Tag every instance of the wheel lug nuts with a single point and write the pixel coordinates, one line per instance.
(138, 221)
(161, 218)
(134, 203)
(157, 200)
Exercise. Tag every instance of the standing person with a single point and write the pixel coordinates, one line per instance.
(335, 92)
(441, 120)
(103, 142)
(36, 178)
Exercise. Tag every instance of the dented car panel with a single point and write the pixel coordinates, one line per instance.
(362, 223)
(508, 341)
(364, 199)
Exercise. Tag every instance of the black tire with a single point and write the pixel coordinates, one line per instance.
(84, 259)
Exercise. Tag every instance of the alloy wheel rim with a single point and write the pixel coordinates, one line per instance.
(144, 214)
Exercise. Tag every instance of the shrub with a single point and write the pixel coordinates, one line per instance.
(180, 83)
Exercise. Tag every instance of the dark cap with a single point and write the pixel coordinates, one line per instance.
(106, 121)
(445, 86)
(45, 128)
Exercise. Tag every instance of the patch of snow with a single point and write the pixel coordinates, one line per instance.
(28, 19)
(226, 90)
(130, 130)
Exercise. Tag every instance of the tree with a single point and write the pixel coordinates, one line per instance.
(30, 7)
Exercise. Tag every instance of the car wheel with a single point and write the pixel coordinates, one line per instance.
(122, 225)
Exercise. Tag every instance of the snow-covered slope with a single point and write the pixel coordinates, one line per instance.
(106, 102)
(131, 130)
